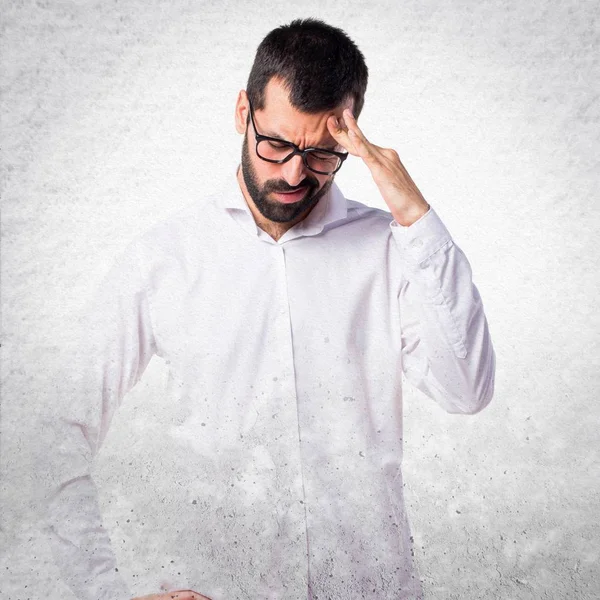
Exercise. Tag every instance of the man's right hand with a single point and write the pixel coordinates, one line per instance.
(175, 595)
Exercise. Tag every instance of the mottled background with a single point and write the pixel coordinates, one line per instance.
(113, 114)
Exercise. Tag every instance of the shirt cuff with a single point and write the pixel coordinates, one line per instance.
(422, 239)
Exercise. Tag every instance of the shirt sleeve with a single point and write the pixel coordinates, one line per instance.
(106, 357)
(447, 351)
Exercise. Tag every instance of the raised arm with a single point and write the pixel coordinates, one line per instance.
(447, 350)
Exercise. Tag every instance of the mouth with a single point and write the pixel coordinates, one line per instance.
(291, 197)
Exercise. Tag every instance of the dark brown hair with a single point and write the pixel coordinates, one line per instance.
(319, 65)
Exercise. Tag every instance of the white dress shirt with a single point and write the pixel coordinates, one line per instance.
(288, 358)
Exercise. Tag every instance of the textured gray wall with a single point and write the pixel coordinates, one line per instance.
(112, 114)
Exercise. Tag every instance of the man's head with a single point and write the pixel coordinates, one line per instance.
(302, 74)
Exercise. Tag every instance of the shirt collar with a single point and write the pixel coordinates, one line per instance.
(331, 207)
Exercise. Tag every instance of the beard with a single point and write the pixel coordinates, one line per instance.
(271, 209)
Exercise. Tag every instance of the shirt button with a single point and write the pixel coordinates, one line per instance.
(416, 243)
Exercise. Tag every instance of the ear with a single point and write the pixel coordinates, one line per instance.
(241, 112)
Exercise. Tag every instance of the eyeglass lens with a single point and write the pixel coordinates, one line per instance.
(322, 162)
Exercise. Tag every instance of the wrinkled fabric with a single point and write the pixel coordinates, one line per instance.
(286, 360)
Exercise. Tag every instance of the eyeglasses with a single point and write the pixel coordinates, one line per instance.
(274, 150)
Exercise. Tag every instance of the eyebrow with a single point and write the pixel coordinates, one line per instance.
(330, 147)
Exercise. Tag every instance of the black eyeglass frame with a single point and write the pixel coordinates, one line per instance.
(295, 149)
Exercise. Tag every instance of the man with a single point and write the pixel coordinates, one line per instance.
(287, 315)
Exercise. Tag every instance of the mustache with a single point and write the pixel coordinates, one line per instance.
(279, 185)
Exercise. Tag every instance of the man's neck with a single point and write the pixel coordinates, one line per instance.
(272, 228)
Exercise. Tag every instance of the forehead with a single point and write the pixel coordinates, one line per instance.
(280, 119)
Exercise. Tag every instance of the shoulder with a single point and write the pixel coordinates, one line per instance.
(172, 248)
(368, 217)
(178, 230)
(365, 211)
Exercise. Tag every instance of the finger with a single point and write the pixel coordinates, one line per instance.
(352, 125)
(175, 595)
(364, 148)
(182, 595)
(186, 595)
(340, 135)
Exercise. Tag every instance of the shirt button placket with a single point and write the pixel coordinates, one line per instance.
(285, 332)
(289, 393)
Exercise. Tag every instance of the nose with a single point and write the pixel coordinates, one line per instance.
(294, 170)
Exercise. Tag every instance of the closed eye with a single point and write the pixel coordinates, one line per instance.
(278, 145)
(323, 155)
